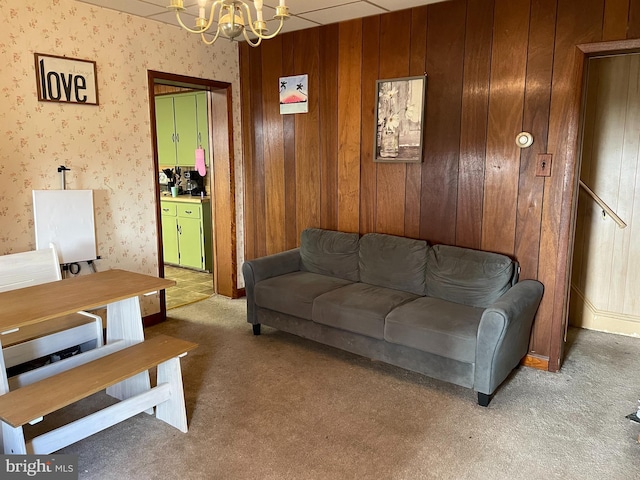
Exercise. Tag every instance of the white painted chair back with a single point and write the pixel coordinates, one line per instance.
(19, 270)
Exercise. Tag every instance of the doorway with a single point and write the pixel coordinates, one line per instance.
(607, 238)
(569, 114)
(213, 211)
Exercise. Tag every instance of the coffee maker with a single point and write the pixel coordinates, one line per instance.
(195, 183)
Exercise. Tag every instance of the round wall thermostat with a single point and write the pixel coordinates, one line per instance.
(524, 139)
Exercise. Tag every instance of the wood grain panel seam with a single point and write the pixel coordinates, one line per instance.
(613, 21)
(486, 129)
(603, 16)
(509, 67)
(553, 66)
(350, 104)
(626, 26)
(632, 25)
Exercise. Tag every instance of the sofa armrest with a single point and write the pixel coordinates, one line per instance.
(503, 334)
(262, 268)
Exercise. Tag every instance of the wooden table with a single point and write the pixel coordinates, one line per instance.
(117, 289)
(121, 365)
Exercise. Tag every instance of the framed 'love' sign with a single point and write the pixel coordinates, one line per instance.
(69, 80)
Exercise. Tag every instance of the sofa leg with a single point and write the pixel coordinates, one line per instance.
(256, 329)
(484, 399)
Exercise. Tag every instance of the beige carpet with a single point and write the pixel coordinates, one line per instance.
(279, 407)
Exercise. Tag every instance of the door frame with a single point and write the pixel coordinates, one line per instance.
(571, 188)
(222, 175)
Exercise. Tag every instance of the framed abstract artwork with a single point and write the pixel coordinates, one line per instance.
(294, 93)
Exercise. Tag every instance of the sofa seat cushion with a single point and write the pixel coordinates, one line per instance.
(435, 326)
(293, 293)
(359, 308)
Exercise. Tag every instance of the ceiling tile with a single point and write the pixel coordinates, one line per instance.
(170, 17)
(291, 24)
(141, 9)
(195, 10)
(297, 7)
(190, 6)
(165, 3)
(343, 12)
(311, 13)
(402, 4)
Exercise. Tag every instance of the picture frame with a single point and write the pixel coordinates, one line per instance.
(294, 94)
(66, 80)
(399, 127)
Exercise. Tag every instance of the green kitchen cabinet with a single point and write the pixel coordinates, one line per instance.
(169, 233)
(203, 124)
(185, 112)
(166, 131)
(181, 126)
(192, 223)
(191, 245)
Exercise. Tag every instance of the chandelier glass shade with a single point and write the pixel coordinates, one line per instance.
(233, 19)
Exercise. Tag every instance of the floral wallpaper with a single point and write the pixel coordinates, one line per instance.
(107, 147)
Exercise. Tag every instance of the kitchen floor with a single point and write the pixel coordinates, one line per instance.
(191, 286)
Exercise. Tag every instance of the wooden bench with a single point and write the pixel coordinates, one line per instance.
(32, 402)
(36, 267)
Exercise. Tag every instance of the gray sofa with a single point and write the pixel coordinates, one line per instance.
(451, 313)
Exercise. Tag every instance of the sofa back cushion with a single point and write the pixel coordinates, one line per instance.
(470, 277)
(393, 262)
(328, 252)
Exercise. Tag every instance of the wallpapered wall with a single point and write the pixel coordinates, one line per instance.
(107, 147)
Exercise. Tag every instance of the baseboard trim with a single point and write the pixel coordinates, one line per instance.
(535, 361)
(585, 314)
(153, 319)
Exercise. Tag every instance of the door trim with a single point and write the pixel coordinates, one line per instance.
(223, 202)
(570, 190)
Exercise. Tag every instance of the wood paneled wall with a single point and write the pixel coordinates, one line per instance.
(494, 68)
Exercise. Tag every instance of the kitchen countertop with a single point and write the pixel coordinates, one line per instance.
(184, 199)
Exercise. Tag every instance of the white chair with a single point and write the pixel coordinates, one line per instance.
(20, 270)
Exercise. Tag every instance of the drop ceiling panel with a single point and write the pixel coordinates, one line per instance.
(304, 13)
(141, 9)
(290, 25)
(343, 12)
(164, 3)
(170, 17)
(296, 7)
(401, 4)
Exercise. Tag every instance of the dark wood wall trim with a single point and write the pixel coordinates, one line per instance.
(494, 68)
(153, 319)
(534, 361)
(222, 184)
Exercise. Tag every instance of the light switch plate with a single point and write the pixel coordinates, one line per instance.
(543, 166)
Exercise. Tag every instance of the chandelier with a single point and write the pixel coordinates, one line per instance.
(231, 19)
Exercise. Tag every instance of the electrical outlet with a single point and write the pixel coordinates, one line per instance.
(543, 166)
